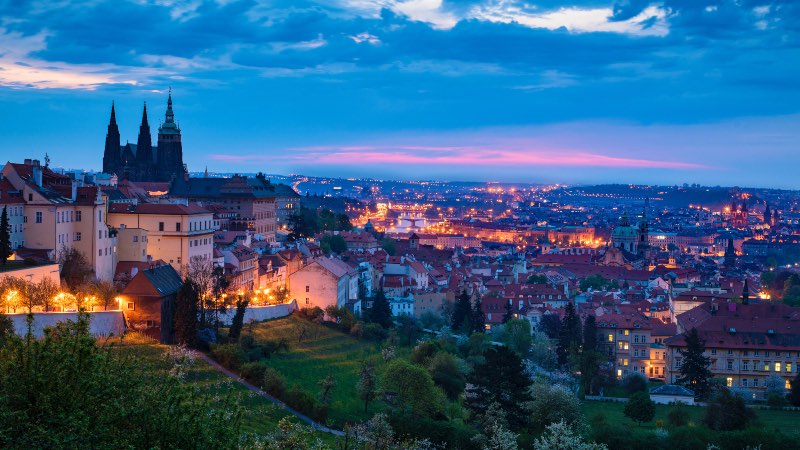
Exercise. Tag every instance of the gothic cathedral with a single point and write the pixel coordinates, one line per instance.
(141, 161)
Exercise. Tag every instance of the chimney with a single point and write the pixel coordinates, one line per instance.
(37, 175)
(28, 162)
(74, 190)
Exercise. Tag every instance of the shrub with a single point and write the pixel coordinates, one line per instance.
(373, 332)
(640, 408)
(253, 371)
(634, 382)
(776, 401)
(678, 416)
(356, 329)
(726, 412)
(553, 404)
(273, 382)
(231, 356)
(302, 401)
(424, 352)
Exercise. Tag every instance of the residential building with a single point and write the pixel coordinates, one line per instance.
(324, 282)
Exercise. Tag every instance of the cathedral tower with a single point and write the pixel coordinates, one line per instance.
(112, 157)
(144, 149)
(170, 149)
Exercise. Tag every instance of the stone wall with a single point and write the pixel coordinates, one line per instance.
(103, 323)
(259, 313)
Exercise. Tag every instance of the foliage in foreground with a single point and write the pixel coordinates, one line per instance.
(62, 391)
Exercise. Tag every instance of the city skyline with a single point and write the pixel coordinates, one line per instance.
(640, 92)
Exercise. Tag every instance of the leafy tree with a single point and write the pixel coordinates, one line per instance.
(446, 371)
(381, 311)
(694, 367)
(389, 246)
(569, 339)
(595, 282)
(634, 382)
(590, 356)
(407, 328)
(75, 268)
(794, 394)
(727, 412)
(367, 386)
(6, 329)
(104, 291)
(553, 404)
(562, 436)
(496, 435)
(550, 324)
(42, 293)
(414, 388)
(478, 318)
(542, 353)
(303, 223)
(461, 319)
(326, 388)
(103, 399)
(332, 243)
(537, 279)
(238, 318)
(5, 237)
(509, 312)
(517, 336)
(640, 408)
(185, 315)
(502, 379)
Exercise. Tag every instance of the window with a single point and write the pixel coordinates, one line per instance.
(729, 382)
(730, 352)
(160, 226)
(777, 367)
(625, 362)
(38, 217)
(713, 351)
(78, 216)
(100, 215)
(766, 366)
(788, 367)
(130, 305)
(307, 302)
(610, 338)
(787, 384)
(744, 382)
(778, 354)
(177, 226)
(78, 236)
(627, 332)
(756, 353)
(308, 288)
(730, 365)
(745, 365)
(136, 239)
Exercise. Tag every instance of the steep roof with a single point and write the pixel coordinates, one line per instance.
(157, 208)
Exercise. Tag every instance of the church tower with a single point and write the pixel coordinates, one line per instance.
(144, 149)
(112, 158)
(170, 150)
(644, 228)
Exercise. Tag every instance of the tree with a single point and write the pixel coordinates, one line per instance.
(445, 369)
(496, 435)
(509, 312)
(727, 412)
(517, 336)
(640, 408)
(590, 356)
(561, 436)
(569, 339)
(389, 246)
(413, 388)
(461, 319)
(381, 311)
(694, 367)
(552, 404)
(104, 399)
(794, 394)
(478, 318)
(367, 386)
(502, 379)
(332, 243)
(542, 353)
(634, 382)
(326, 389)
(550, 324)
(104, 293)
(407, 328)
(75, 268)
(42, 293)
(185, 314)
(537, 279)
(594, 282)
(238, 318)
(5, 237)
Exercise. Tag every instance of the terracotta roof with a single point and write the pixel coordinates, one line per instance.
(157, 208)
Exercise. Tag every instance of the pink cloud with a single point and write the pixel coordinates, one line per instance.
(464, 156)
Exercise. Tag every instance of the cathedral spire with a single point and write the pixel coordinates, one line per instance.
(113, 120)
(144, 116)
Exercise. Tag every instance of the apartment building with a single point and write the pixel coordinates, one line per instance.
(60, 214)
(747, 344)
(625, 340)
(175, 232)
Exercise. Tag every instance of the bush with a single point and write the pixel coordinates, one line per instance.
(356, 329)
(373, 332)
(634, 382)
(301, 400)
(424, 352)
(273, 382)
(231, 356)
(678, 416)
(552, 404)
(726, 412)
(253, 372)
(776, 401)
(640, 408)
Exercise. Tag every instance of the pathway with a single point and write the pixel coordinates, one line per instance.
(315, 425)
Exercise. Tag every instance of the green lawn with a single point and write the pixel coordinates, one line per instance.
(260, 416)
(324, 351)
(785, 421)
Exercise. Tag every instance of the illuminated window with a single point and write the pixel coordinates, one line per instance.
(610, 338)
(627, 332)
(777, 367)
(619, 373)
(729, 382)
(766, 366)
(788, 367)
(625, 362)
(787, 384)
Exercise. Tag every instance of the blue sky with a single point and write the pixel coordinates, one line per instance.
(591, 91)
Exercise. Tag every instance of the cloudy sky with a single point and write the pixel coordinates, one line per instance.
(543, 91)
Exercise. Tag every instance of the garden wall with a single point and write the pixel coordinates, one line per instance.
(103, 323)
(260, 313)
